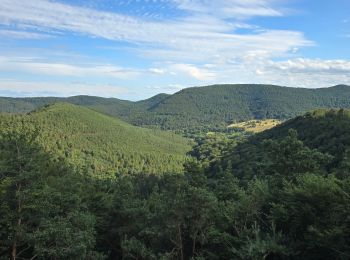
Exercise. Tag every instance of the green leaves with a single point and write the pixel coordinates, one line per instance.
(289, 156)
(272, 196)
(69, 237)
(99, 144)
(314, 214)
(41, 208)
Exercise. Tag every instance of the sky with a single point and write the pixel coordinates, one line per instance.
(134, 49)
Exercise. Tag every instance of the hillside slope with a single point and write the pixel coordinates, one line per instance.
(326, 131)
(111, 106)
(220, 104)
(101, 143)
(204, 107)
(296, 180)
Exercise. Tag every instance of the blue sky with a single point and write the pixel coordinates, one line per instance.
(133, 49)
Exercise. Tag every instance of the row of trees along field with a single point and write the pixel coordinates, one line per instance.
(292, 203)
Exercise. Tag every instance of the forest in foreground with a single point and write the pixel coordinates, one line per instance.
(280, 194)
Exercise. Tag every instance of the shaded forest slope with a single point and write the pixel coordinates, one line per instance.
(102, 143)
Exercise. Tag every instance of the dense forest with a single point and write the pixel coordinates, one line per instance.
(280, 194)
(100, 143)
(203, 108)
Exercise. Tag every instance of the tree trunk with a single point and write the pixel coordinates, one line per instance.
(14, 249)
(180, 242)
(18, 225)
(194, 245)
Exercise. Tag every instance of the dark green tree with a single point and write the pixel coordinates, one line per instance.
(41, 208)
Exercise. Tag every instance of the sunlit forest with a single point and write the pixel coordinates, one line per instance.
(279, 194)
(174, 130)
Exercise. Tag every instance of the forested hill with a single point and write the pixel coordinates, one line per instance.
(204, 107)
(220, 104)
(280, 194)
(100, 143)
(25, 105)
(321, 137)
(297, 176)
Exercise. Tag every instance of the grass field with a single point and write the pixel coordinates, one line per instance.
(256, 126)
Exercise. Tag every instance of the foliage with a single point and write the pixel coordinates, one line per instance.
(102, 144)
(280, 194)
(42, 212)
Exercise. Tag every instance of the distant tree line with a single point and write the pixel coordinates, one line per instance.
(203, 108)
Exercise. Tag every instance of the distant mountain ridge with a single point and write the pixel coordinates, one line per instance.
(202, 107)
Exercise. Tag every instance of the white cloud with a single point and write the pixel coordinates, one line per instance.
(302, 65)
(158, 71)
(30, 65)
(310, 73)
(59, 89)
(231, 8)
(193, 71)
(202, 35)
(170, 88)
(23, 35)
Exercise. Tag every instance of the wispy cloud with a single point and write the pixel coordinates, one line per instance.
(23, 35)
(231, 8)
(313, 66)
(30, 65)
(190, 70)
(159, 71)
(201, 35)
(310, 73)
(170, 88)
(28, 88)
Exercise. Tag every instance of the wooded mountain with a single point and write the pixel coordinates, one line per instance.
(280, 194)
(203, 107)
(101, 143)
(325, 131)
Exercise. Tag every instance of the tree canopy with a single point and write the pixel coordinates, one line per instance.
(280, 194)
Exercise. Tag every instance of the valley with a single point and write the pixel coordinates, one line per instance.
(174, 130)
(81, 184)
